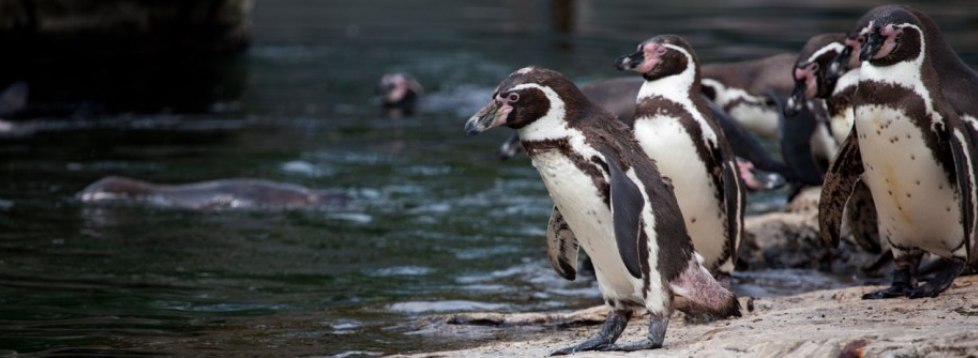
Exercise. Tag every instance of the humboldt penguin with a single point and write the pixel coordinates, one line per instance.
(743, 90)
(753, 92)
(958, 81)
(617, 95)
(676, 129)
(911, 149)
(812, 81)
(609, 199)
(399, 94)
(231, 193)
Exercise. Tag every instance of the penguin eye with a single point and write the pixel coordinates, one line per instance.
(513, 97)
(661, 51)
(814, 66)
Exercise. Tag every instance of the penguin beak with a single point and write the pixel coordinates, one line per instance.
(492, 115)
(874, 42)
(755, 179)
(630, 62)
(839, 64)
(796, 99)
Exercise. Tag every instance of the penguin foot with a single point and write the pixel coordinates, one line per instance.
(631, 347)
(889, 292)
(656, 335)
(610, 330)
(903, 280)
(943, 277)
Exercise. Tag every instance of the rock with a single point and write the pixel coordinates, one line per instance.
(789, 239)
(56, 26)
(830, 323)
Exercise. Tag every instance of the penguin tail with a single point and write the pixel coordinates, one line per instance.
(697, 292)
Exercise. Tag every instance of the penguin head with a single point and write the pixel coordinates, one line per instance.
(893, 35)
(524, 97)
(811, 70)
(398, 90)
(849, 57)
(659, 57)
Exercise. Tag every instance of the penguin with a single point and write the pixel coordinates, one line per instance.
(911, 149)
(742, 89)
(609, 200)
(753, 92)
(617, 95)
(229, 193)
(676, 129)
(958, 81)
(399, 94)
(812, 81)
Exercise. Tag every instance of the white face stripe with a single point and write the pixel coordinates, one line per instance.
(677, 88)
(905, 74)
(835, 46)
(553, 124)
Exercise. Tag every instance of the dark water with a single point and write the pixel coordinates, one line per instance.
(437, 223)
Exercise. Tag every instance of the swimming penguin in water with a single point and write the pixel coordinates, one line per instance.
(676, 129)
(911, 149)
(233, 193)
(609, 199)
(399, 94)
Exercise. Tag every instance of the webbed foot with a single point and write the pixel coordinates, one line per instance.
(944, 275)
(610, 330)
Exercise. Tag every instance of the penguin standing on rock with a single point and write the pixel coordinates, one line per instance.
(911, 149)
(609, 199)
(676, 128)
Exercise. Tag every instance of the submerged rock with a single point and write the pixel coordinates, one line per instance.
(237, 193)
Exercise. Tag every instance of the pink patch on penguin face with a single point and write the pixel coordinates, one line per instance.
(891, 33)
(505, 108)
(652, 57)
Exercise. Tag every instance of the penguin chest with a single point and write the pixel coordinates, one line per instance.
(581, 201)
(916, 203)
(674, 149)
(841, 117)
(753, 113)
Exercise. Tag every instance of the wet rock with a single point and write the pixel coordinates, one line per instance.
(828, 323)
(789, 239)
(589, 316)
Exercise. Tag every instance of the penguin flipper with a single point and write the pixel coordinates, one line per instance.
(733, 191)
(962, 141)
(839, 183)
(627, 203)
(562, 247)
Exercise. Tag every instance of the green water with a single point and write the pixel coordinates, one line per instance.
(436, 224)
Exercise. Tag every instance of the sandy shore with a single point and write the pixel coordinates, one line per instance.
(829, 323)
